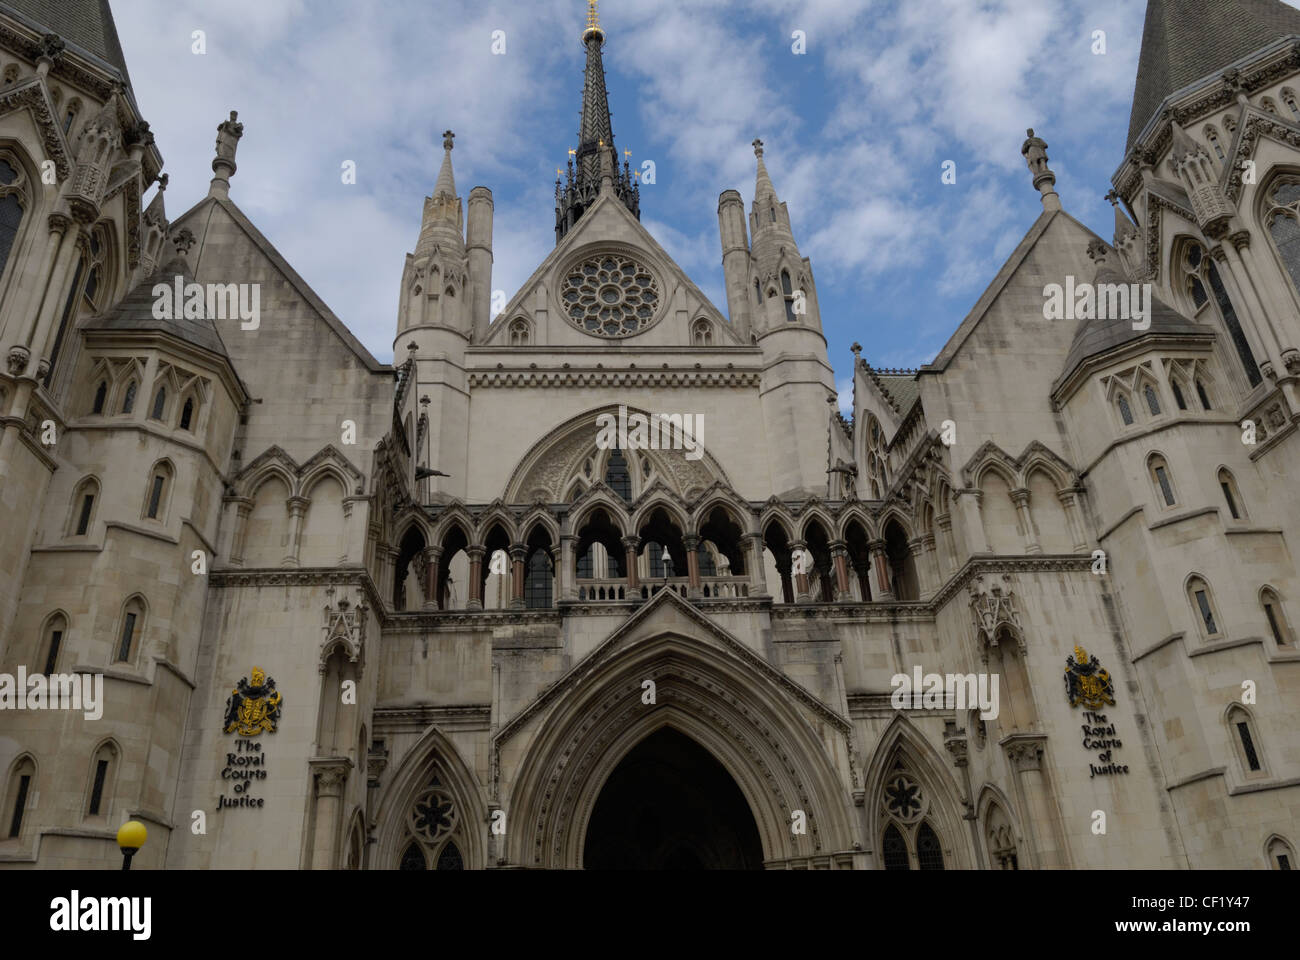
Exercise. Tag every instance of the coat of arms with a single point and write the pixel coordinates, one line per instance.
(1086, 682)
(253, 708)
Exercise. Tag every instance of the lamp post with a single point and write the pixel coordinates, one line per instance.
(130, 838)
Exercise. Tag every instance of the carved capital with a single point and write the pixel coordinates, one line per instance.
(16, 361)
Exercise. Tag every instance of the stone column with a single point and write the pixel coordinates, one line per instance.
(630, 547)
(1074, 519)
(969, 502)
(839, 557)
(693, 587)
(331, 776)
(56, 293)
(757, 575)
(1037, 804)
(518, 555)
(955, 742)
(387, 557)
(947, 552)
(1020, 497)
(475, 555)
(928, 548)
(881, 588)
(432, 559)
(239, 510)
(566, 576)
(916, 547)
(799, 562)
(297, 510)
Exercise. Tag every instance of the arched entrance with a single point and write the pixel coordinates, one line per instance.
(670, 805)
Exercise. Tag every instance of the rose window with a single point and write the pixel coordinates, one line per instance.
(610, 296)
(433, 815)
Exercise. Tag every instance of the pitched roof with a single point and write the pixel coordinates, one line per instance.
(1187, 40)
(135, 312)
(86, 23)
(1095, 337)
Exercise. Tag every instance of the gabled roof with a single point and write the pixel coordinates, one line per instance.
(1188, 40)
(289, 273)
(86, 23)
(136, 312)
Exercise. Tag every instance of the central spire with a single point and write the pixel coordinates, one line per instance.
(595, 137)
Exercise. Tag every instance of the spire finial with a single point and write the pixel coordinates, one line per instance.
(758, 148)
(447, 140)
(593, 23)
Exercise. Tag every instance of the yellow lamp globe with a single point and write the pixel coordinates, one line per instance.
(131, 835)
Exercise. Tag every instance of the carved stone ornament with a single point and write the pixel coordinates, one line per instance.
(16, 361)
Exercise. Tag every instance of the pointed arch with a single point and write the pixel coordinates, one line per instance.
(903, 743)
(735, 708)
(433, 754)
(19, 785)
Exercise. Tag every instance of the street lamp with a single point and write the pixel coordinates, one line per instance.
(130, 838)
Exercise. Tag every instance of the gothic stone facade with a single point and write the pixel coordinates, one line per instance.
(500, 643)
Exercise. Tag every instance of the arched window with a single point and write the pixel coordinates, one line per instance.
(1198, 592)
(894, 849)
(19, 785)
(101, 394)
(1231, 496)
(1278, 625)
(128, 398)
(103, 766)
(1288, 99)
(519, 333)
(788, 291)
(132, 627)
(1212, 138)
(1280, 855)
(702, 333)
(1164, 486)
(1203, 396)
(1202, 274)
(159, 404)
(1153, 402)
(14, 201)
(1244, 735)
(537, 580)
(74, 107)
(1001, 839)
(1125, 411)
(160, 480)
(450, 858)
(83, 507)
(413, 858)
(617, 477)
(88, 293)
(1178, 394)
(1283, 221)
(56, 628)
(928, 852)
(187, 414)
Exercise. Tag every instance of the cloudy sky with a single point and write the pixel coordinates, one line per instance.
(857, 129)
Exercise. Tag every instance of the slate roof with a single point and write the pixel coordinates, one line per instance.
(86, 23)
(1095, 337)
(899, 387)
(135, 312)
(1187, 40)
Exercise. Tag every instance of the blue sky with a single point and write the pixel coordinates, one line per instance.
(856, 130)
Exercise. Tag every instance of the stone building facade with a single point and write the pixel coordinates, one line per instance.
(427, 616)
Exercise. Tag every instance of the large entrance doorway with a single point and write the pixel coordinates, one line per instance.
(669, 805)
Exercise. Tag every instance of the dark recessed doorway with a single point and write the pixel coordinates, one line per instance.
(669, 805)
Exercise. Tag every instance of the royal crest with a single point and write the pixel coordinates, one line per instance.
(253, 708)
(1086, 682)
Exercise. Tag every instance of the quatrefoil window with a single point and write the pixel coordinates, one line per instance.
(610, 296)
(433, 815)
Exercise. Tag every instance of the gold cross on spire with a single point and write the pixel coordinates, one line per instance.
(593, 16)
